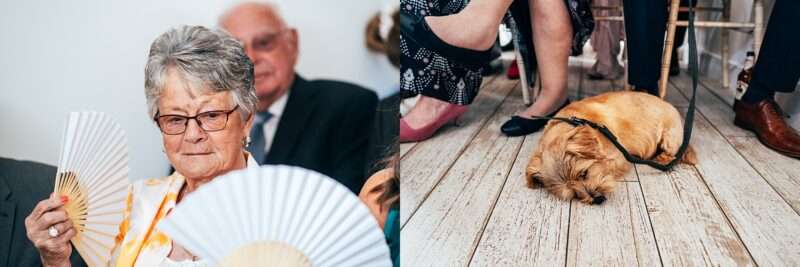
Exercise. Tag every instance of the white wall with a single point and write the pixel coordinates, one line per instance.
(62, 56)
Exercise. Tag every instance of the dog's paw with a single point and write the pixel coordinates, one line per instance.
(689, 157)
(663, 158)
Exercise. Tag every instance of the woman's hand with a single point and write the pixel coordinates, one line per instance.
(53, 250)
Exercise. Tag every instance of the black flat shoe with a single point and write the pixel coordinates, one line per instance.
(415, 29)
(519, 126)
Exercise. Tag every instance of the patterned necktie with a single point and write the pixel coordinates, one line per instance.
(257, 141)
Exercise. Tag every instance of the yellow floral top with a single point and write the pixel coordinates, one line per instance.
(139, 243)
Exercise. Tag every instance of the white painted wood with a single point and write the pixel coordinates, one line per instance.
(405, 147)
(675, 97)
(766, 224)
(528, 226)
(715, 86)
(781, 172)
(689, 227)
(423, 167)
(448, 225)
(616, 233)
(719, 113)
(473, 208)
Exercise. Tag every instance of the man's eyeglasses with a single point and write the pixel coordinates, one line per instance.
(209, 121)
(267, 41)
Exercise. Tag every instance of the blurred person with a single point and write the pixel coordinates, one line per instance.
(382, 36)
(321, 125)
(606, 37)
(445, 45)
(606, 42)
(645, 25)
(776, 70)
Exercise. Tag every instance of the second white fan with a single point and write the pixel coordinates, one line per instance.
(277, 216)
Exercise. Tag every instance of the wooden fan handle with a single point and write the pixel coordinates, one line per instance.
(266, 253)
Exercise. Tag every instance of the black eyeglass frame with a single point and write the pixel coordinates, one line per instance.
(157, 117)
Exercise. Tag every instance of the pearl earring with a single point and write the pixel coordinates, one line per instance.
(246, 141)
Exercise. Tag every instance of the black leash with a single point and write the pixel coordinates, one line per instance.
(687, 125)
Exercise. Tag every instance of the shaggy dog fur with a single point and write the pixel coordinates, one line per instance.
(580, 163)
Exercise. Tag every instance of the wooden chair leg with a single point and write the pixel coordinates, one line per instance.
(759, 26)
(726, 16)
(524, 85)
(668, 44)
(626, 86)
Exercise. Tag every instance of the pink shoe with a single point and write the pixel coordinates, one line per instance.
(408, 134)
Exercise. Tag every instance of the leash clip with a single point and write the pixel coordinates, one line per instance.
(577, 121)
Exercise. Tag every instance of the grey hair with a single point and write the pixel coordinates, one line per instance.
(208, 59)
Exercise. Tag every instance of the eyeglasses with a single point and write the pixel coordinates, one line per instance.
(209, 121)
(266, 42)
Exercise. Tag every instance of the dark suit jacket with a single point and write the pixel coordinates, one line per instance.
(326, 127)
(22, 185)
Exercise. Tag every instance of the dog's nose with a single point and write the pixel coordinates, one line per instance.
(598, 200)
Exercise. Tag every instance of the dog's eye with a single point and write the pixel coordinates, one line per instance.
(583, 174)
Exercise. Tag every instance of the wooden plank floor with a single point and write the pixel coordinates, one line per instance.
(464, 202)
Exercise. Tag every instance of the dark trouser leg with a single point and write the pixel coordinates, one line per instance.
(680, 32)
(777, 68)
(645, 23)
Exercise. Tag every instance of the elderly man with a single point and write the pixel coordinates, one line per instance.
(321, 125)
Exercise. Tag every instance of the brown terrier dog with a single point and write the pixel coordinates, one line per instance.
(579, 162)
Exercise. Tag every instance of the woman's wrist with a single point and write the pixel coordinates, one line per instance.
(61, 263)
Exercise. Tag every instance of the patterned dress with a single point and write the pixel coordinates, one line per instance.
(425, 72)
(428, 73)
(139, 243)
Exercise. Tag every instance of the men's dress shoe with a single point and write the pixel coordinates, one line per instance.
(450, 114)
(416, 29)
(519, 126)
(766, 120)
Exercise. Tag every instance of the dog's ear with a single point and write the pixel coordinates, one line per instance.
(583, 142)
(532, 173)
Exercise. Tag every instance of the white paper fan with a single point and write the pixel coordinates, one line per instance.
(93, 173)
(258, 216)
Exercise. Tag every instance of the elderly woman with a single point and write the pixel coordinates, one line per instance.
(199, 89)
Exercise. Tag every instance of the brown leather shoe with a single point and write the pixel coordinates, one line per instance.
(766, 120)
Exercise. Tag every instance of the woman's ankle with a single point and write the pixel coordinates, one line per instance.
(544, 106)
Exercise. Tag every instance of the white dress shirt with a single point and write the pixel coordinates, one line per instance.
(271, 126)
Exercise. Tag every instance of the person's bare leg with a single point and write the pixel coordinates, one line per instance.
(552, 38)
(475, 27)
